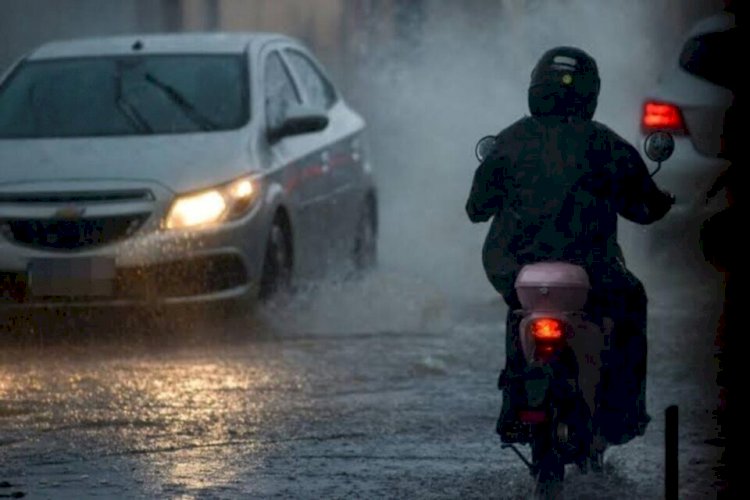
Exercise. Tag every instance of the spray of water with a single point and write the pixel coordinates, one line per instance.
(461, 72)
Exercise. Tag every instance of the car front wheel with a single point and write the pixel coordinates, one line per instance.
(277, 267)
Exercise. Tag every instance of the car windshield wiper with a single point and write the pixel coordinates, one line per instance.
(176, 97)
(134, 117)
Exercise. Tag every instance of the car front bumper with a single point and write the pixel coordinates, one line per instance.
(153, 266)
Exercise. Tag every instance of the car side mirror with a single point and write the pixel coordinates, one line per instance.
(658, 147)
(484, 147)
(299, 120)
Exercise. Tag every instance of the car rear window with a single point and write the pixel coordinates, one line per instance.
(130, 95)
(713, 57)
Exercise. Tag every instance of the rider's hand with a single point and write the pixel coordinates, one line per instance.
(661, 203)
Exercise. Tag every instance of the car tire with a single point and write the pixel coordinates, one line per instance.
(277, 264)
(365, 253)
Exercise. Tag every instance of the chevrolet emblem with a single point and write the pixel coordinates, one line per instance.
(70, 213)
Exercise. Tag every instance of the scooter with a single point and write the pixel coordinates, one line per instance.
(565, 352)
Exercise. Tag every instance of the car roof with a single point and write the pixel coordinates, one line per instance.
(189, 43)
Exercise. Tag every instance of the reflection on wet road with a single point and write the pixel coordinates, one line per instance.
(310, 413)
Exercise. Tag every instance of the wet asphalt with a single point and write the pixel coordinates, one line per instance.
(292, 401)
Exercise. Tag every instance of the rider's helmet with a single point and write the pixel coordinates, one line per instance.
(564, 82)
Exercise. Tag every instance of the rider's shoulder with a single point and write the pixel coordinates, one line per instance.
(518, 125)
(517, 130)
(604, 134)
(602, 129)
(606, 131)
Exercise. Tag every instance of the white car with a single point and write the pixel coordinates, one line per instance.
(177, 168)
(690, 101)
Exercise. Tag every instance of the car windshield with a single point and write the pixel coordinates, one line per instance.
(714, 57)
(130, 95)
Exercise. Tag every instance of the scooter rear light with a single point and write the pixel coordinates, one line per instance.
(547, 329)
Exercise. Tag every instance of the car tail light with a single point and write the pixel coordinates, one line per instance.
(662, 116)
(547, 329)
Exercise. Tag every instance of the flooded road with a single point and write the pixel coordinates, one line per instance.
(381, 389)
(283, 408)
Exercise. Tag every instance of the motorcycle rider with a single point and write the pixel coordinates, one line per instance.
(554, 185)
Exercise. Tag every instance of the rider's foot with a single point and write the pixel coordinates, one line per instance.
(503, 381)
(642, 422)
(636, 424)
(511, 431)
(622, 427)
(508, 426)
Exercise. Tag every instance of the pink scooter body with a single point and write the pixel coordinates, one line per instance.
(559, 291)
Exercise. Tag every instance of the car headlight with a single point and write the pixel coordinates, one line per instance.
(212, 206)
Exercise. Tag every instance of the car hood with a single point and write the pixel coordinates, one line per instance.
(180, 163)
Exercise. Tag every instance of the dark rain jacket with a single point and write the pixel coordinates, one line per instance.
(554, 187)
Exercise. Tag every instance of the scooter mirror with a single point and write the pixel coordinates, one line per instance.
(484, 147)
(659, 146)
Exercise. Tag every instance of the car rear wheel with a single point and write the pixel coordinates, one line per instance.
(365, 243)
(277, 266)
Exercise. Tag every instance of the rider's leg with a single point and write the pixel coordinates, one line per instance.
(636, 352)
(507, 424)
(625, 389)
(514, 362)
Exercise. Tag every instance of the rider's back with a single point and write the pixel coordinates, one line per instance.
(555, 187)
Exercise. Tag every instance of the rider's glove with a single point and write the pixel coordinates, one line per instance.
(661, 202)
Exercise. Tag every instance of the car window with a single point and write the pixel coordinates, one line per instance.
(280, 91)
(124, 95)
(319, 91)
(713, 57)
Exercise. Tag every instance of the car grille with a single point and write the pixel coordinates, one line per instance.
(72, 235)
(79, 197)
(75, 232)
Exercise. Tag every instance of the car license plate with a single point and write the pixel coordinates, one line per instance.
(74, 277)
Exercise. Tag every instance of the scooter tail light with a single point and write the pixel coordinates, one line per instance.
(547, 329)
